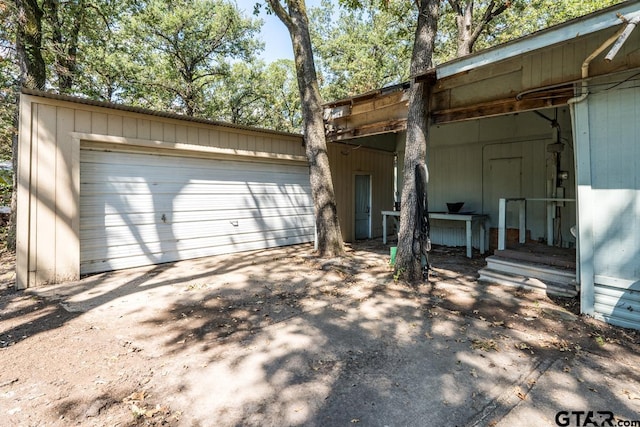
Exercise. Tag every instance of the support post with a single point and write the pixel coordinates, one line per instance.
(384, 228)
(522, 221)
(551, 210)
(502, 224)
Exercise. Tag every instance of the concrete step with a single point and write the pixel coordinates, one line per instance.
(527, 269)
(527, 282)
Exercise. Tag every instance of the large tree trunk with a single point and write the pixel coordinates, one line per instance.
(29, 44)
(65, 46)
(408, 259)
(32, 75)
(329, 235)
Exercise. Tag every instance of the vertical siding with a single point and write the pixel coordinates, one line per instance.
(46, 194)
(459, 158)
(345, 163)
(615, 204)
(66, 202)
(23, 219)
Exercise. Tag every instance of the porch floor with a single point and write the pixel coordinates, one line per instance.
(538, 253)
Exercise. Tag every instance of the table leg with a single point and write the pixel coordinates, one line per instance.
(482, 237)
(468, 238)
(384, 229)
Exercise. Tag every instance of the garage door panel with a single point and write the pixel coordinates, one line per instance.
(124, 165)
(195, 207)
(132, 203)
(220, 187)
(213, 175)
(187, 230)
(116, 219)
(138, 260)
(126, 256)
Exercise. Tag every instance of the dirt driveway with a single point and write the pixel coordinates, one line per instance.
(277, 337)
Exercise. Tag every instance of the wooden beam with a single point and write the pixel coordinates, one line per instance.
(502, 106)
(367, 130)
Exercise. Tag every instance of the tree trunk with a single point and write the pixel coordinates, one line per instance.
(65, 46)
(32, 75)
(464, 23)
(29, 44)
(408, 257)
(468, 32)
(329, 235)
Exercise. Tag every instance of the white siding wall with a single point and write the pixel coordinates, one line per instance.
(610, 206)
(459, 159)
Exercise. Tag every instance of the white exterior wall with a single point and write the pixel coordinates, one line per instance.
(608, 159)
(460, 157)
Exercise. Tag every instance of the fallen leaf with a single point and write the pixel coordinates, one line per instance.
(630, 396)
(136, 396)
(149, 413)
(484, 345)
(137, 412)
(473, 373)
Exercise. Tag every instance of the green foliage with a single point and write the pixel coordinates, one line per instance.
(362, 49)
(523, 17)
(199, 56)
(8, 80)
(255, 94)
(188, 46)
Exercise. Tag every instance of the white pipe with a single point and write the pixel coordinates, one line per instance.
(631, 25)
(587, 61)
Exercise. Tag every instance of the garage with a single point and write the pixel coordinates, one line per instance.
(104, 187)
(142, 209)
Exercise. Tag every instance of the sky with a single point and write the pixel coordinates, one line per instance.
(277, 43)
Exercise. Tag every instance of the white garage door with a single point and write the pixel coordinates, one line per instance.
(142, 209)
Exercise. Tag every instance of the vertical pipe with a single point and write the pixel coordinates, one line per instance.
(522, 221)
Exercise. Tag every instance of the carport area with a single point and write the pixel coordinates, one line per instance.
(279, 337)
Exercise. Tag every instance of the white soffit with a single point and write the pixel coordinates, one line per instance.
(597, 21)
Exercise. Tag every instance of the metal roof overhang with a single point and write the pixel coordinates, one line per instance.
(385, 110)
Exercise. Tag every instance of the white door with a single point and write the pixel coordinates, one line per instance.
(363, 206)
(505, 181)
(143, 209)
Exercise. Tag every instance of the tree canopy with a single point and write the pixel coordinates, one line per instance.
(201, 57)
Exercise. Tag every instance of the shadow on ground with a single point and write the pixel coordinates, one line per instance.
(278, 337)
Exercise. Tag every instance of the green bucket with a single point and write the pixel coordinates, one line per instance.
(393, 250)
